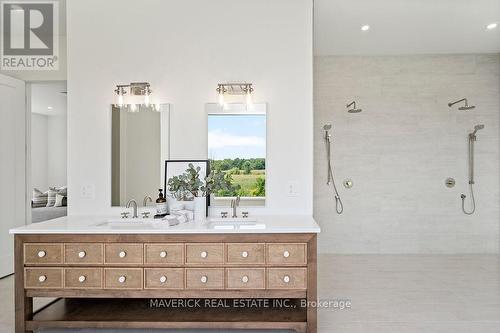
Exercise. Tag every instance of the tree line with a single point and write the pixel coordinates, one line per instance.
(246, 164)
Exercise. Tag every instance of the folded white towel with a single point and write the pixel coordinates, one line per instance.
(184, 215)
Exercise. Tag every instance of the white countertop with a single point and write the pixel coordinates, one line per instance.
(97, 225)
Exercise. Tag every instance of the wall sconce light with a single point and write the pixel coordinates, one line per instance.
(235, 89)
(134, 89)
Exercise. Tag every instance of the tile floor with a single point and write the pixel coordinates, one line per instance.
(388, 293)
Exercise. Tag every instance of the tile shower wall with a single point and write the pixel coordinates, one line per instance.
(400, 150)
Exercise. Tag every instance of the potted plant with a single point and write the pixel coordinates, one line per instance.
(188, 189)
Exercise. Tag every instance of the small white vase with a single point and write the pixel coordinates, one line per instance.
(200, 208)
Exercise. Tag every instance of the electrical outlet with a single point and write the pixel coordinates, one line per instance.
(88, 191)
(293, 189)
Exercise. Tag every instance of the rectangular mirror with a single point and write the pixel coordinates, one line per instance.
(237, 147)
(139, 147)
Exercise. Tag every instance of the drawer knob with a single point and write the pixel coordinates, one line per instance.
(42, 278)
(204, 254)
(244, 279)
(82, 278)
(163, 254)
(42, 253)
(122, 279)
(244, 254)
(82, 254)
(122, 254)
(286, 254)
(286, 279)
(204, 279)
(163, 279)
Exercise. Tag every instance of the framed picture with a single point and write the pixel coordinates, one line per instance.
(178, 167)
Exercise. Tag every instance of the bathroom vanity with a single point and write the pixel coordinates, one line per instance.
(135, 274)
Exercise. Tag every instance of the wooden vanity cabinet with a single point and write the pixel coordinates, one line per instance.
(92, 271)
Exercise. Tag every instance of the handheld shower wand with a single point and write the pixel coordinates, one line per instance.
(472, 140)
(339, 206)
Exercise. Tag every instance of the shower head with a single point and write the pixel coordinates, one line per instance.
(477, 128)
(326, 128)
(465, 107)
(354, 109)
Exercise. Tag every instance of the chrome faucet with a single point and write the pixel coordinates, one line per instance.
(132, 201)
(146, 199)
(234, 205)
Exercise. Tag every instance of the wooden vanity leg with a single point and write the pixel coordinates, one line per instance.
(23, 305)
(312, 321)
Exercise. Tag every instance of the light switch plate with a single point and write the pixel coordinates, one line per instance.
(88, 191)
(293, 189)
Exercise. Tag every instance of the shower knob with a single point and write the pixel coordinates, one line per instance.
(449, 182)
(348, 183)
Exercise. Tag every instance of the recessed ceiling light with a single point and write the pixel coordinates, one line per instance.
(491, 26)
(365, 27)
(49, 107)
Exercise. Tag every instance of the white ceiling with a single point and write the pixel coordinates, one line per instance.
(48, 94)
(405, 26)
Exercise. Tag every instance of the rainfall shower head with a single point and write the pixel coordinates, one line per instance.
(477, 128)
(465, 107)
(354, 109)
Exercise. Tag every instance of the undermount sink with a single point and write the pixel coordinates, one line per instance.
(126, 223)
(228, 223)
(232, 219)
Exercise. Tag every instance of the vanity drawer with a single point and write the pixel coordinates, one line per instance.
(245, 278)
(83, 278)
(204, 278)
(43, 253)
(123, 278)
(123, 253)
(164, 254)
(286, 278)
(204, 253)
(245, 253)
(43, 278)
(164, 278)
(83, 253)
(287, 254)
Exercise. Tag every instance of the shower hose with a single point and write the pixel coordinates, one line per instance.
(339, 206)
(473, 202)
(471, 179)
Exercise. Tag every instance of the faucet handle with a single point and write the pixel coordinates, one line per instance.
(223, 214)
(125, 215)
(145, 215)
(245, 214)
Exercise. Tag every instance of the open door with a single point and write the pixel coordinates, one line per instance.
(12, 166)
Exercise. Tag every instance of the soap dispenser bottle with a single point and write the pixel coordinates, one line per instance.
(161, 205)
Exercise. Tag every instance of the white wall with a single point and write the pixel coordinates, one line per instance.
(12, 166)
(48, 134)
(39, 151)
(400, 150)
(184, 48)
(57, 151)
